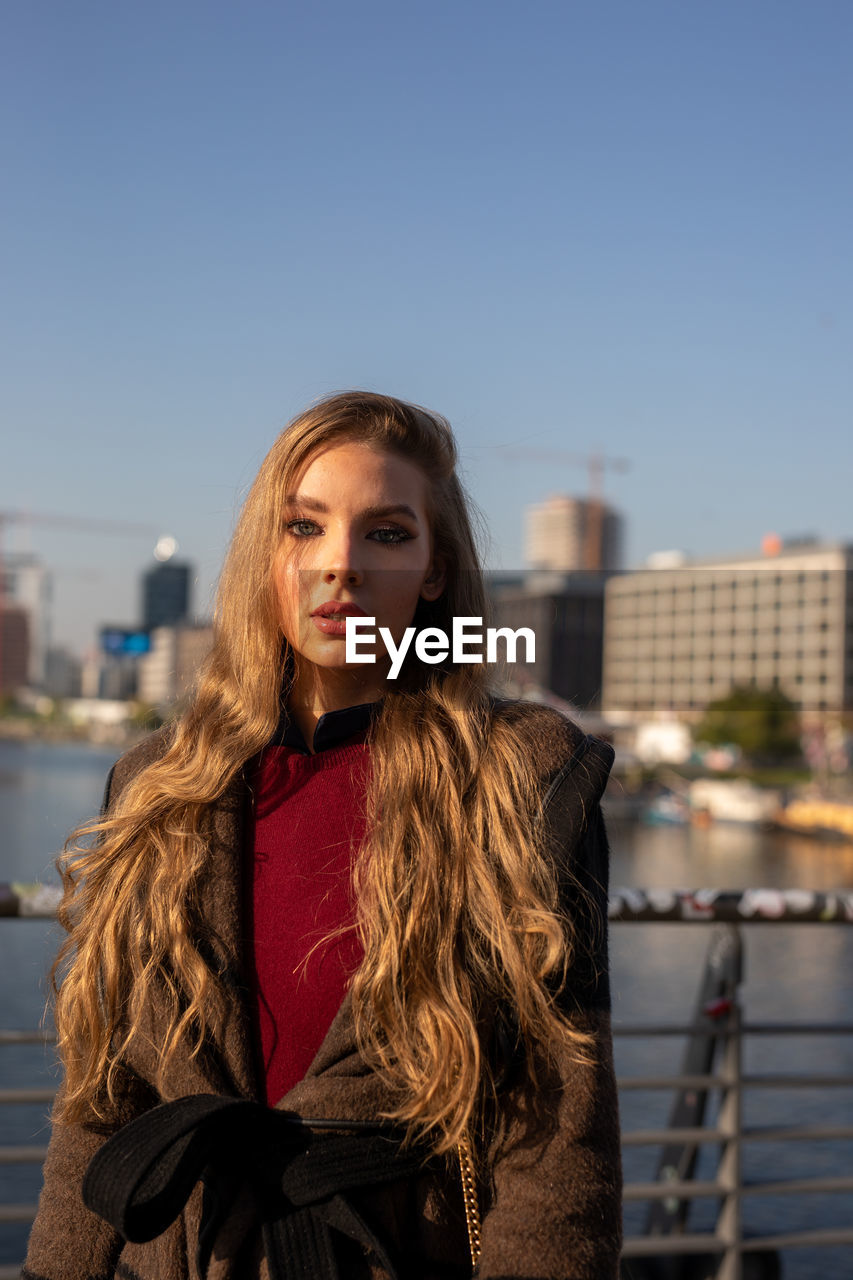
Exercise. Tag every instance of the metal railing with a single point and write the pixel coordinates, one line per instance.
(713, 1064)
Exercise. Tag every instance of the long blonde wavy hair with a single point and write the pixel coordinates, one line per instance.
(457, 907)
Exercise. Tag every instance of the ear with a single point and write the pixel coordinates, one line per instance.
(434, 583)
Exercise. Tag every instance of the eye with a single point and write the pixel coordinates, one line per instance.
(300, 520)
(397, 535)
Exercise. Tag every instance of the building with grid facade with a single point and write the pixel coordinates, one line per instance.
(676, 639)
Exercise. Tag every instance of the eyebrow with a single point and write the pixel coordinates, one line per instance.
(367, 513)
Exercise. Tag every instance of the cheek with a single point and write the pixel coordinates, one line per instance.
(404, 594)
(286, 589)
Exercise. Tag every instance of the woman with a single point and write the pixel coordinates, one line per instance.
(336, 973)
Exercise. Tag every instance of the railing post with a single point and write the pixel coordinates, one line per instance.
(729, 1175)
(715, 999)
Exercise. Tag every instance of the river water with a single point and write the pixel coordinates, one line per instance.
(792, 972)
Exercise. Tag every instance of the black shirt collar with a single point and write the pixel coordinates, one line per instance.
(332, 727)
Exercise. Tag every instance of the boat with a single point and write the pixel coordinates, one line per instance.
(824, 819)
(732, 800)
(666, 810)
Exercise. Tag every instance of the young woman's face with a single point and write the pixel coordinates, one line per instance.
(355, 531)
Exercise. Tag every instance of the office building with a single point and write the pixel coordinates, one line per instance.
(677, 638)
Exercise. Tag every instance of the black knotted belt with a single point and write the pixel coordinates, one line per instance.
(297, 1169)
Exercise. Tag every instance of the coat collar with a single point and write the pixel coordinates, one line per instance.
(332, 727)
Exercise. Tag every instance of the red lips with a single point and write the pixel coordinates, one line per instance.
(342, 607)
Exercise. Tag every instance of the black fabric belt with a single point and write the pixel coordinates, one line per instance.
(297, 1170)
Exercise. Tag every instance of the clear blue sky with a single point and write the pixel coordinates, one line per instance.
(599, 224)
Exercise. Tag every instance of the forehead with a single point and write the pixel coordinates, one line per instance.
(346, 466)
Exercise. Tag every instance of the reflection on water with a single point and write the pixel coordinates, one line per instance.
(792, 972)
(725, 856)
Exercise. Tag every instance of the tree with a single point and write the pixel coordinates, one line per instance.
(764, 723)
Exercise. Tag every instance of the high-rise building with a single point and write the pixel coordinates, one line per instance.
(14, 646)
(25, 584)
(677, 638)
(165, 594)
(568, 534)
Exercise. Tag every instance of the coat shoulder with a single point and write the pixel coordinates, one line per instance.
(551, 737)
(137, 758)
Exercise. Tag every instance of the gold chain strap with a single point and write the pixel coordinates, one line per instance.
(469, 1195)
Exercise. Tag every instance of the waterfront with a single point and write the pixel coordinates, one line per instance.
(793, 972)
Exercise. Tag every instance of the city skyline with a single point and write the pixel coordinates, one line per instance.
(586, 227)
(86, 637)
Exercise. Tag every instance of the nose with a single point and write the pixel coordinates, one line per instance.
(340, 561)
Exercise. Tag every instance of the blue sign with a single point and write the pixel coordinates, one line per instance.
(122, 641)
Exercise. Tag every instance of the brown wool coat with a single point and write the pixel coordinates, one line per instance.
(551, 1194)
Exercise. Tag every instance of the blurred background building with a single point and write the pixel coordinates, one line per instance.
(168, 671)
(25, 592)
(566, 614)
(14, 646)
(572, 545)
(565, 534)
(166, 594)
(677, 637)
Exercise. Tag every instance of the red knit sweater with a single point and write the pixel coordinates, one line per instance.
(308, 822)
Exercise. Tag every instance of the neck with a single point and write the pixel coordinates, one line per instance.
(316, 690)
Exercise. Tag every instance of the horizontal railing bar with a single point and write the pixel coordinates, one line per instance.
(22, 1155)
(753, 1029)
(673, 1243)
(626, 906)
(805, 1133)
(798, 1186)
(674, 1082)
(655, 1137)
(8, 1036)
(665, 1029)
(694, 1189)
(779, 1081)
(681, 1190)
(769, 1081)
(800, 1239)
(11, 1097)
(17, 1212)
(797, 1028)
(730, 906)
(26, 1037)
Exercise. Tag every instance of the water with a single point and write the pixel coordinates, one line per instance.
(792, 972)
(45, 790)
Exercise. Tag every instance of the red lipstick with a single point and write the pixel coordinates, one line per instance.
(330, 617)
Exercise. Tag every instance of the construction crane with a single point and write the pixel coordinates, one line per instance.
(595, 463)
